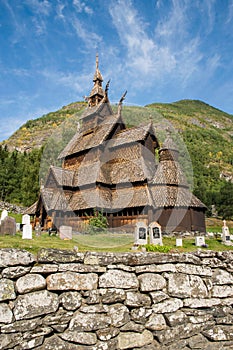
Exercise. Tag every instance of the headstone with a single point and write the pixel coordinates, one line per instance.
(38, 229)
(8, 226)
(199, 241)
(65, 232)
(155, 234)
(140, 233)
(179, 242)
(4, 215)
(226, 237)
(27, 231)
(26, 219)
(18, 226)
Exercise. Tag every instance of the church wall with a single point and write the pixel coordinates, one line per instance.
(150, 301)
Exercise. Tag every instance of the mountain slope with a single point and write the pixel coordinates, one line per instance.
(206, 131)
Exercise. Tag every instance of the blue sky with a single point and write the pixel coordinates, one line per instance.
(157, 50)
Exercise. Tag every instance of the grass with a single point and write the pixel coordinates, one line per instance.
(100, 242)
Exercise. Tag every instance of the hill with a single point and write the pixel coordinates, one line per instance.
(206, 131)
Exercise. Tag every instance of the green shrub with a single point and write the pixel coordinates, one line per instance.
(157, 248)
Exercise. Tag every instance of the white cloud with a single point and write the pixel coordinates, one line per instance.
(91, 39)
(173, 51)
(40, 7)
(82, 7)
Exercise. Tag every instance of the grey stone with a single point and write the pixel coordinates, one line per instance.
(13, 257)
(35, 304)
(86, 338)
(141, 314)
(75, 267)
(119, 315)
(57, 343)
(20, 326)
(137, 299)
(94, 309)
(158, 296)
(156, 268)
(112, 295)
(132, 340)
(8, 341)
(70, 300)
(45, 269)
(156, 322)
(7, 289)
(6, 314)
(222, 277)
(176, 318)
(30, 344)
(184, 286)
(200, 303)
(169, 305)
(134, 327)
(197, 342)
(58, 317)
(107, 333)
(92, 296)
(151, 282)
(30, 283)
(219, 333)
(72, 281)
(179, 332)
(118, 279)
(59, 256)
(89, 322)
(15, 271)
(222, 291)
(194, 270)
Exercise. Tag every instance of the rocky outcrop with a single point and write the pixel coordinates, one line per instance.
(97, 301)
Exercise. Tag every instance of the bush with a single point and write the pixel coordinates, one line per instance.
(157, 248)
(98, 223)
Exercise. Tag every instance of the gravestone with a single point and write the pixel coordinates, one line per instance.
(18, 226)
(26, 219)
(27, 231)
(199, 241)
(38, 229)
(155, 233)
(3, 215)
(8, 226)
(140, 233)
(226, 238)
(65, 232)
(179, 242)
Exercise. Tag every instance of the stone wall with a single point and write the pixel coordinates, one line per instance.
(97, 301)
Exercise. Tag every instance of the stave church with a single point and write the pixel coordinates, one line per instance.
(112, 168)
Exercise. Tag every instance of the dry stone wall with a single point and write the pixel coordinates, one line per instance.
(96, 301)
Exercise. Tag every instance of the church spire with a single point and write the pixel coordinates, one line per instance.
(97, 92)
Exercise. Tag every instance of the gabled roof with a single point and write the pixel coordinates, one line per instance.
(137, 133)
(63, 177)
(169, 173)
(103, 108)
(174, 196)
(96, 137)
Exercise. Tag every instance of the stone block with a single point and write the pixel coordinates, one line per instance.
(30, 283)
(6, 314)
(134, 340)
(72, 281)
(118, 279)
(169, 305)
(151, 281)
(35, 304)
(7, 289)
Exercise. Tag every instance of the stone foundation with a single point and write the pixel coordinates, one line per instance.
(97, 301)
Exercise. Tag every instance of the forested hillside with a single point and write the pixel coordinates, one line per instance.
(206, 131)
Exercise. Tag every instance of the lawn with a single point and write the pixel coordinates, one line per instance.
(100, 242)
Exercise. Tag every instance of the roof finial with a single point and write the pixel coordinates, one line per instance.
(97, 61)
(121, 101)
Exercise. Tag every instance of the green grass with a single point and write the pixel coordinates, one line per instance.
(99, 242)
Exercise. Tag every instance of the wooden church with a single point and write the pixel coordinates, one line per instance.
(112, 168)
